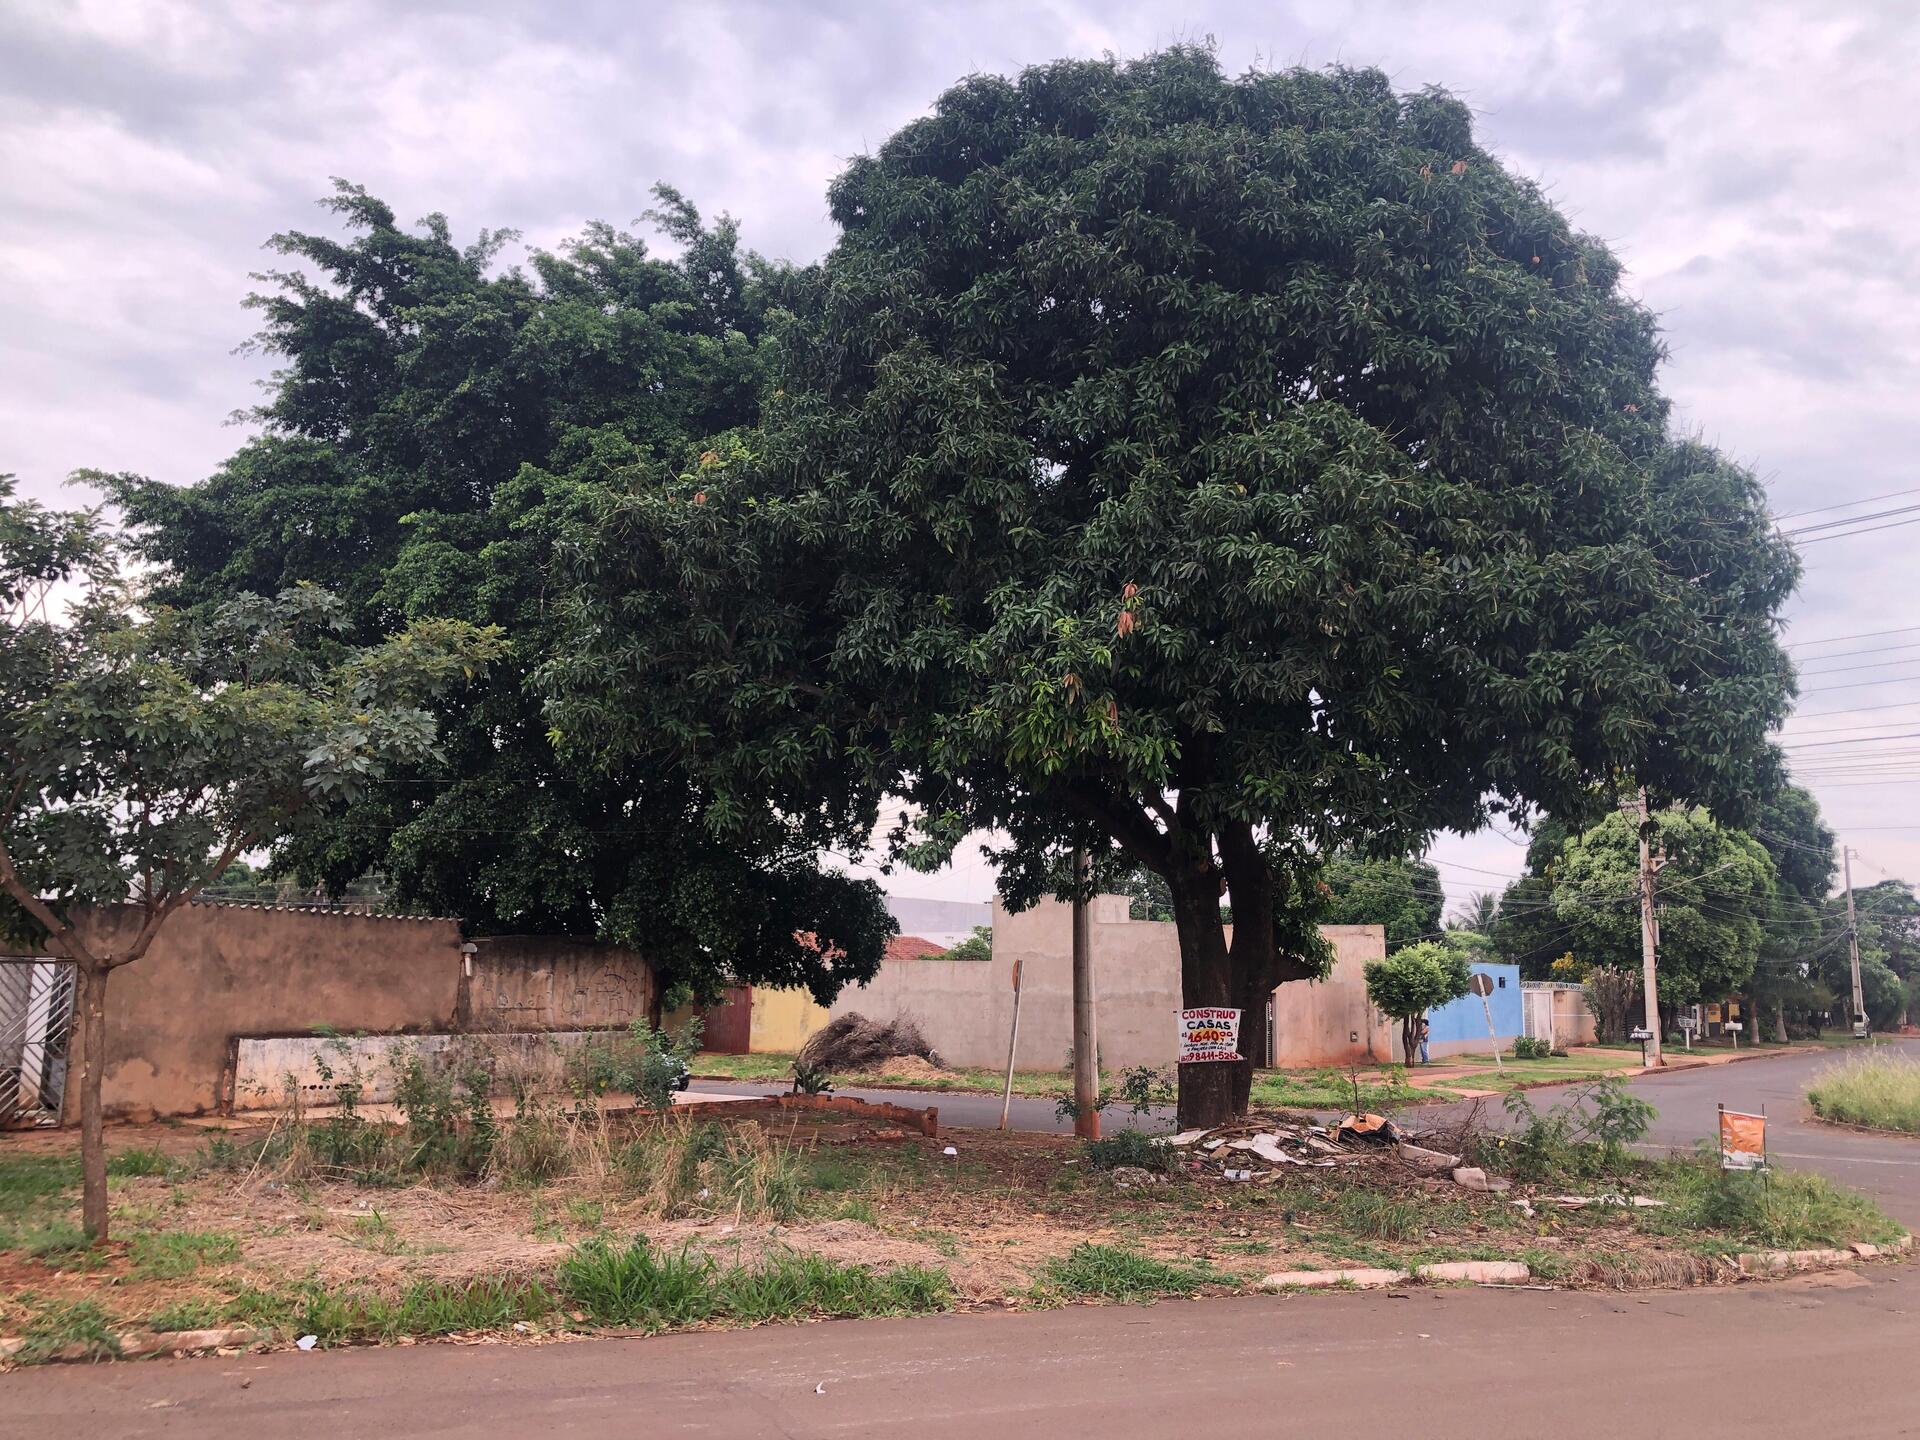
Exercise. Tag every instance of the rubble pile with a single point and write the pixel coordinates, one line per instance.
(1259, 1150)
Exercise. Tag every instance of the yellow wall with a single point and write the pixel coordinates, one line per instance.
(782, 1020)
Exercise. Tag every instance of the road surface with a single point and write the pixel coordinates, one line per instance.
(1785, 1359)
(1825, 1355)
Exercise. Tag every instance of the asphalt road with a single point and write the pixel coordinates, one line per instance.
(1825, 1355)
(1785, 1359)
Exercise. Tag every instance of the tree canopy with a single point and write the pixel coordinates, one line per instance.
(145, 749)
(1404, 895)
(1714, 896)
(439, 426)
(1226, 471)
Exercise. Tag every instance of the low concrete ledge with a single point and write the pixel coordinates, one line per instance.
(1475, 1272)
(138, 1344)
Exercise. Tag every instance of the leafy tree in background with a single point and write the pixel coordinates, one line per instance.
(1889, 918)
(1715, 896)
(439, 425)
(977, 946)
(1415, 979)
(1800, 934)
(1222, 471)
(145, 750)
(1480, 913)
(1403, 895)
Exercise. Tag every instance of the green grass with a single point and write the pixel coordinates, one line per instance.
(1878, 1089)
(1783, 1210)
(634, 1285)
(53, 1325)
(171, 1254)
(1108, 1272)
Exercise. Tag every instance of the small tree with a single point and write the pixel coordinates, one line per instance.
(977, 946)
(145, 752)
(1412, 981)
(1611, 994)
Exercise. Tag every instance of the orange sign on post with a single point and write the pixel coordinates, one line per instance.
(1743, 1140)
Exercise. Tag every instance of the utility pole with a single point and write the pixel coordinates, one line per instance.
(1086, 1023)
(1649, 939)
(1859, 1016)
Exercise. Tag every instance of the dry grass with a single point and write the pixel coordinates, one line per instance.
(1880, 1090)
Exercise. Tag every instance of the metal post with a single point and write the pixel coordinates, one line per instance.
(1859, 1016)
(1649, 943)
(1086, 1026)
(1013, 1044)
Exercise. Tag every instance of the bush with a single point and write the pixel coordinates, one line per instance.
(1583, 1137)
(1879, 1089)
(1528, 1047)
(1611, 995)
(1128, 1147)
(646, 1063)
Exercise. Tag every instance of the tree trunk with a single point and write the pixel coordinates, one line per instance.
(93, 1063)
(1780, 1021)
(1206, 1091)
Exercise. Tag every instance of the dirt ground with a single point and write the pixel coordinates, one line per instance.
(991, 1216)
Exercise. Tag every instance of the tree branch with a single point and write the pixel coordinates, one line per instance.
(1127, 824)
(58, 930)
(156, 916)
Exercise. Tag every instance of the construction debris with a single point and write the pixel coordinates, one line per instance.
(1259, 1148)
(1472, 1177)
(854, 1042)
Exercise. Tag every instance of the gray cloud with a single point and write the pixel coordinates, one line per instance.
(1752, 167)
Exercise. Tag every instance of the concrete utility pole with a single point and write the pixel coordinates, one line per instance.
(1086, 1020)
(1649, 939)
(1859, 1016)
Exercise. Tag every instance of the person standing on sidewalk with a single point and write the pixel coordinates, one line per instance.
(1425, 1059)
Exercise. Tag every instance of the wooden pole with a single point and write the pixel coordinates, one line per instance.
(1013, 1044)
(1086, 1025)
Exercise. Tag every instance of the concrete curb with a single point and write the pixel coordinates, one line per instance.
(139, 1344)
(1782, 1262)
(1512, 1272)
(1476, 1272)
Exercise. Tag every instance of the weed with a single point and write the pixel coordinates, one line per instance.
(1785, 1209)
(54, 1325)
(631, 1285)
(786, 1284)
(139, 1162)
(374, 1231)
(1376, 1215)
(198, 1314)
(587, 1214)
(1529, 1047)
(1111, 1273)
(170, 1254)
(1877, 1090)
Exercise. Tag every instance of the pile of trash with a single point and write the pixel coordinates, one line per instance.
(1258, 1151)
(854, 1043)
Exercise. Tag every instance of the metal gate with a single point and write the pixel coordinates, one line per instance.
(36, 1033)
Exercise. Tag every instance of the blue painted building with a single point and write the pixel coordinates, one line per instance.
(1461, 1025)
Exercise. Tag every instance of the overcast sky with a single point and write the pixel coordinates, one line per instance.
(1752, 164)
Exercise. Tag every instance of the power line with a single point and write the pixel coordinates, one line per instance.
(1862, 740)
(1845, 504)
(1849, 534)
(1862, 635)
(1850, 520)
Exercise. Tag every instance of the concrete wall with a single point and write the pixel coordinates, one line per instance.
(782, 1020)
(965, 1007)
(1460, 1026)
(218, 974)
